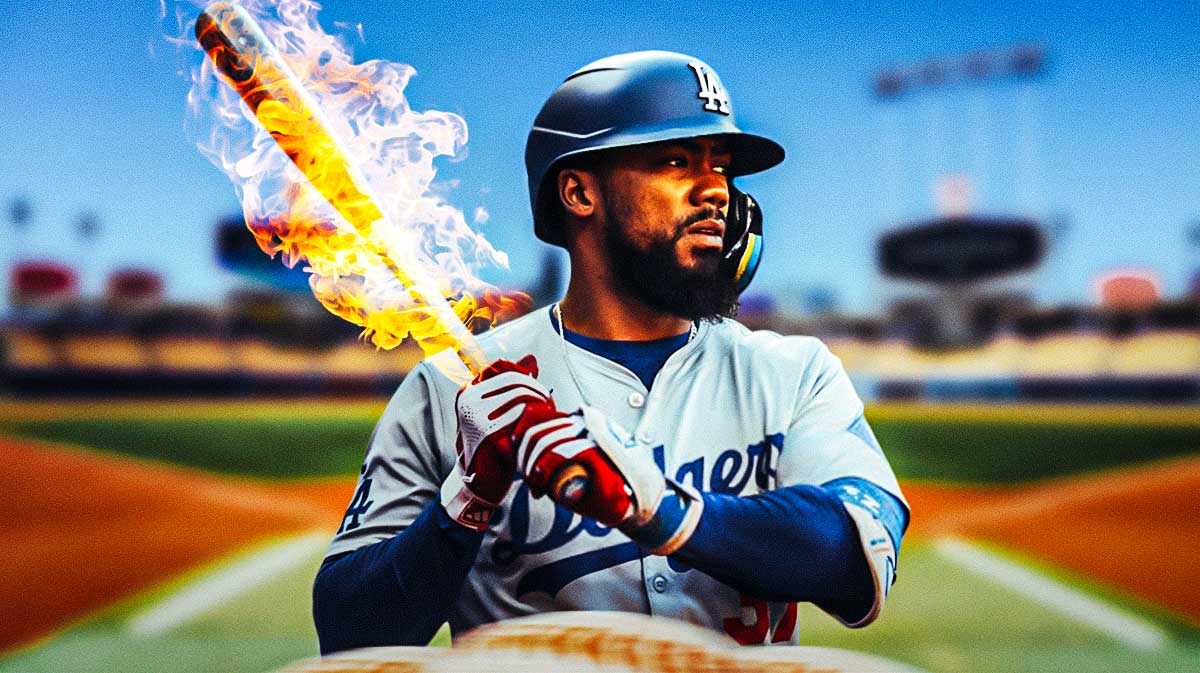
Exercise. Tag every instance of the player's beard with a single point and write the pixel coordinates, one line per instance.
(655, 277)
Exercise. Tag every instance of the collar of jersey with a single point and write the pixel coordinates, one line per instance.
(601, 357)
(604, 347)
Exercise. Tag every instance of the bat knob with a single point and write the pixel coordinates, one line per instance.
(570, 484)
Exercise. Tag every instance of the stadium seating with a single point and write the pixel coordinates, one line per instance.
(857, 355)
(26, 350)
(1157, 353)
(361, 359)
(256, 356)
(897, 359)
(1071, 355)
(188, 354)
(105, 352)
(1088, 353)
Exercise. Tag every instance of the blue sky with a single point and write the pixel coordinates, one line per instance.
(1106, 143)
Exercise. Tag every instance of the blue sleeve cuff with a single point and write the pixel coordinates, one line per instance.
(889, 509)
(674, 522)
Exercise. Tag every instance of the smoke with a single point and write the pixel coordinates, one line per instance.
(393, 145)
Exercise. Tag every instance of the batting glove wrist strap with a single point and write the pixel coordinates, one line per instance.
(673, 521)
(463, 505)
(487, 410)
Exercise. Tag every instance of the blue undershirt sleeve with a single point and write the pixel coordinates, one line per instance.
(397, 591)
(795, 543)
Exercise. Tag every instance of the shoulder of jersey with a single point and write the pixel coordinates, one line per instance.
(516, 335)
(511, 340)
(770, 349)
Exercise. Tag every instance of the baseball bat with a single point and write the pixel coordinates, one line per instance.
(248, 62)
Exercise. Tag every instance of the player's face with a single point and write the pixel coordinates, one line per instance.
(664, 208)
(673, 191)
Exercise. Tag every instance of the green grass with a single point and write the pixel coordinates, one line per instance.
(999, 452)
(284, 447)
(937, 449)
(938, 618)
(259, 630)
(943, 619)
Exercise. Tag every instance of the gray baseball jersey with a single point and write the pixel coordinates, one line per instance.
(733, 411)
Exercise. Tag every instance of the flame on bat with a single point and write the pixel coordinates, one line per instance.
(357, 249)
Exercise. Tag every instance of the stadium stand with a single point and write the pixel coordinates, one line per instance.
(264, 345)
(257, 356)
(999, 358)
(1064, 343)
(353, 358)
(186, 354)
(27, 350)
(1165, 343)
(853, 341)
(186, 340)
(113, 352)
(93, 338)
(356, 358)
(1061, 354)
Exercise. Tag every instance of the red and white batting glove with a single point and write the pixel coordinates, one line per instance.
(626, 490)
(488, 409)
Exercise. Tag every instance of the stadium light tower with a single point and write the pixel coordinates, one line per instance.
(926, 86)
(1194, 240)
(948, 269)
(20, 215)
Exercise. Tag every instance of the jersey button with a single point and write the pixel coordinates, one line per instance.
(636, 400)
(659, 583)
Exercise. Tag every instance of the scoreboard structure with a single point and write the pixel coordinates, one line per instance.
(960, 275)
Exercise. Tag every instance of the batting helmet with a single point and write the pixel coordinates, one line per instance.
(634, 99)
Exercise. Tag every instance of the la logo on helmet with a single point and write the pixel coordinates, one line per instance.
(710, 89)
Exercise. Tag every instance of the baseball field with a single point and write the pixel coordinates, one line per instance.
(183, 536)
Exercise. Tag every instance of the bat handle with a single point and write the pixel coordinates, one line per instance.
(570, 484)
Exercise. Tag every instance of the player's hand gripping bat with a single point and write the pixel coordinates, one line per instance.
(248, 62)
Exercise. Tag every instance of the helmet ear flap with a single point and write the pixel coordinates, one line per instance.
(743, 238)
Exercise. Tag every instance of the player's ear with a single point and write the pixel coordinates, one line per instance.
(578, 192)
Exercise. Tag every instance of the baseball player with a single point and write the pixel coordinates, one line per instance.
(730, 473)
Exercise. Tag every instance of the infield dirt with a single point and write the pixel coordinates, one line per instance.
(84, 530)
(1130, 529)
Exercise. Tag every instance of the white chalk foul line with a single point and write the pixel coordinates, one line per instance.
(1116, 624)
(201, 597)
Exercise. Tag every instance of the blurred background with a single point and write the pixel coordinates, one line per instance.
(990, 214)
